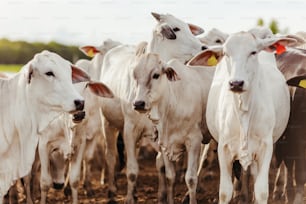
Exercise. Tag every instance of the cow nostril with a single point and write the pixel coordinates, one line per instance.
(139, 105)
(204, 47)
(79, 104)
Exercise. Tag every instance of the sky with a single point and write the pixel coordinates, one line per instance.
(89, 22)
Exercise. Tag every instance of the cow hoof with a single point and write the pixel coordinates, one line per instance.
(111, 195)
(111, 201)
(186, 200)
(67, 191)
(58, 186)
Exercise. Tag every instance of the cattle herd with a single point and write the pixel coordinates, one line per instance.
(242, 94)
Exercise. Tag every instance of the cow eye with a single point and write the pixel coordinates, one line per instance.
(50, 74)
(176, 29)
(253, 53)
(218, 41)
(155, 76)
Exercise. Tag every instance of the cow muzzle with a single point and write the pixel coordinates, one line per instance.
(78, 117)
(236, 86)
(139, 106)
(58, 186)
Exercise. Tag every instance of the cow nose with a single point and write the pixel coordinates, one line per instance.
(79, 116)
(139, 105)
(58, 186)
(204, 47)
(79, 104)
(236, 85)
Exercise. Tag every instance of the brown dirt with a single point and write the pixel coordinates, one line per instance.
(146, 188)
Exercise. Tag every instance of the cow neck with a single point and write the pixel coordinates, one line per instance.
(155, 47)
(243, 103)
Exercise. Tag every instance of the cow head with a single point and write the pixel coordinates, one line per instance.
(240, 57)
(91, 51)
(214, 37)
(151, 76)
(50, 79)
(173, 38)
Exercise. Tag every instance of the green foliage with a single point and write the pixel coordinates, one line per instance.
(273, 25)
(20, 52)
(10, 67)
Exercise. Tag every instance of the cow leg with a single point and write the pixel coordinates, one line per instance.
(27, 185)
(261, 181)
(162, 191)
(45, 176)
(76, 163)
(226, 185)
(300, 173)
(89, 157)
(170, 178)
(110, 135)
(279, 190)
(132, 164)
(191, 177)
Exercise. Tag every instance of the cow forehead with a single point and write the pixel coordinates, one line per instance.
(173, 21)
(48, 61)
(240, 43)
(146, 63)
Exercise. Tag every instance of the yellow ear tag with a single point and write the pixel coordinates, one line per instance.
(302, 83)
(212, 61)
(91, 53)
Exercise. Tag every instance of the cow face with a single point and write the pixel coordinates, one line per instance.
(214, 37)
(50, 80)
(151, 76)
(173, 38)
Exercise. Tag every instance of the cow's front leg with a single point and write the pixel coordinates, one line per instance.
(226, 185)
(129, 137)
(170, 178)
(45, 176)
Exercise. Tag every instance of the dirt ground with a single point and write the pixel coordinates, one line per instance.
(146, 188)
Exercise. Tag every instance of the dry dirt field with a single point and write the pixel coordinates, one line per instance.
(146, 189)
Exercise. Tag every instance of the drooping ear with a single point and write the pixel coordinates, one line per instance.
(89, 50)
(299, 40)
(196, 30)
(209, 57)
(171, 74)
(156, 16)
(78, 75)
(141, 48)
(100, 89)
(275, 44)
(167, 32)
(299, 81)
(30, 74)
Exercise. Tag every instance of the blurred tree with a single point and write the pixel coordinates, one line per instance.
(20, 52)
(273, 25)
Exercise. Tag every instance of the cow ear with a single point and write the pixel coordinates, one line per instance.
(276, 44)
(78, 75)
(299, 40)
(171, 74)
(299, 81)
(156, 16)
(141, 48)
(206, 58)
(196, 30)
(30, 74)
(89, 50)
(100, 89)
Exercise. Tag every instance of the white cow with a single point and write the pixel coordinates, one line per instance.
(172, 38)
(178, 108)
(30, 100)
(246, 113)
